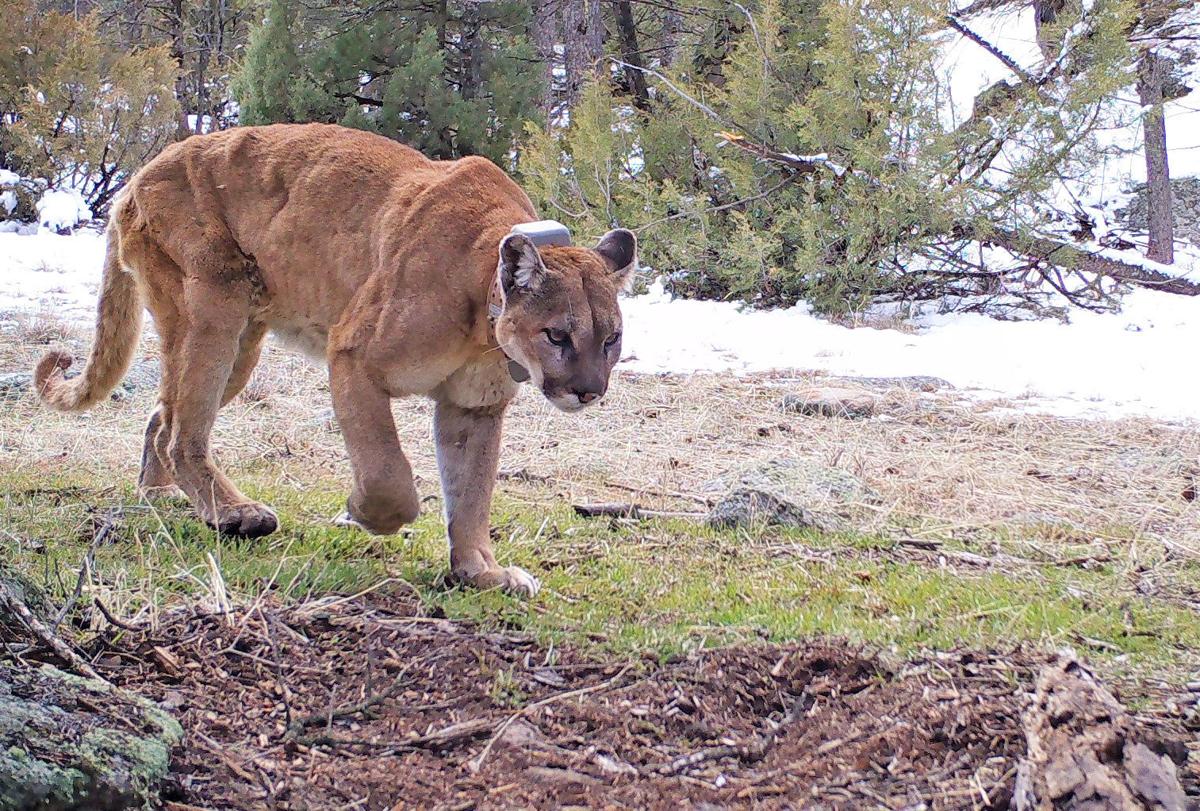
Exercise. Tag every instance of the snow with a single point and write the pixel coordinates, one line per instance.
(47, 273)
(1134, 362)
(8, 199)
(1137, 362)
(62, 209)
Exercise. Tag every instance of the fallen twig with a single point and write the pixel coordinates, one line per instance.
(635, 511)
(14, 605)
(108, 615)
(88, 559)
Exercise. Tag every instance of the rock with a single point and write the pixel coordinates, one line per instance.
(924, 383)
(831, 401)
(788, 493)
(68, 742)
(15, 385)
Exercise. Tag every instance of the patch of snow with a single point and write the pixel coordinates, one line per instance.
(44, 272)
(60, 210)
(1132, 362)
(8, 199)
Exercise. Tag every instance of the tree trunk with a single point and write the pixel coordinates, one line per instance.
(547, 29)
(174, 20)
(1160, 219)
(583, 30)
(672, 27)
(631, 54)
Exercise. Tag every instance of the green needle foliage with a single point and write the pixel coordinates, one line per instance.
(449, 79)
(857, 82)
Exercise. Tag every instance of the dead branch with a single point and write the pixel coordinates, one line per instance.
(1083, 750)
(14, 605)
(1065, 254)
(634, 511)
(109, 616)
(1004, 58)
(89, 558)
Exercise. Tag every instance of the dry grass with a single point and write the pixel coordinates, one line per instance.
(942, 465)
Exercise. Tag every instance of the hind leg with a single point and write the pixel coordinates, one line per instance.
(161, 283)
(155, 479)
(202, 371)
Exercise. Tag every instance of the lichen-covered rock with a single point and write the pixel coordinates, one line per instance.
(831, 401)
(790, 493)
(68, 742)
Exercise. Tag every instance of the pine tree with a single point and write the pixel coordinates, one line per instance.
(838, 178)
(450, 79)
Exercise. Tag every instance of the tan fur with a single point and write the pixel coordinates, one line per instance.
(377, 260)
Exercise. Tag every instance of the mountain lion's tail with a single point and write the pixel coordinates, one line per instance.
(118, 327)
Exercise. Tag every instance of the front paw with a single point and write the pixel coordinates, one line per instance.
(249, 520)
(512, 579)
(345, 520)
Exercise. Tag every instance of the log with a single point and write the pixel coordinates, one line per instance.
(1083, 751)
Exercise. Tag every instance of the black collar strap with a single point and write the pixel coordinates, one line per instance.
(542, 233)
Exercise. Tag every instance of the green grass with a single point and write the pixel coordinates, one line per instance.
(659, 587)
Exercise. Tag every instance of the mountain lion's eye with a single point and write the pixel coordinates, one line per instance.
(612, 340)
(557, 337)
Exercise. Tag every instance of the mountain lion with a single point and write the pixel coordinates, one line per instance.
(401, 273)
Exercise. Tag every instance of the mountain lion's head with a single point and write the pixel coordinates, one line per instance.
(561, 320)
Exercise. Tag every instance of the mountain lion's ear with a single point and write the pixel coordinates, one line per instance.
(618, 249)
(521, 265)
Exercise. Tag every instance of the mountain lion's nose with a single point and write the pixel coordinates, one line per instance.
(586, 397)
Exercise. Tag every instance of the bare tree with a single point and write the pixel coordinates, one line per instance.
(1160, 219)
(583, 33)
(631, 54)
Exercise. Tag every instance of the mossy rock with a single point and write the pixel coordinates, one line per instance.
(800, 493)
(68, 742)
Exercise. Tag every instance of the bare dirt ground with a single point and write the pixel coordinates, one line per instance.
(367, 703)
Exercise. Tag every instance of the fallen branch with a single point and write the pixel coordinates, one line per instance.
(12, 604)
(1083, 749)
(1065, 254)
(440, 739)
(623, 510)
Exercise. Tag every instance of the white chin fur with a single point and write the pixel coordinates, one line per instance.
(567, 402)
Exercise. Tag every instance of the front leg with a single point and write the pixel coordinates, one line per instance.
(468, 452)
(383, 497)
